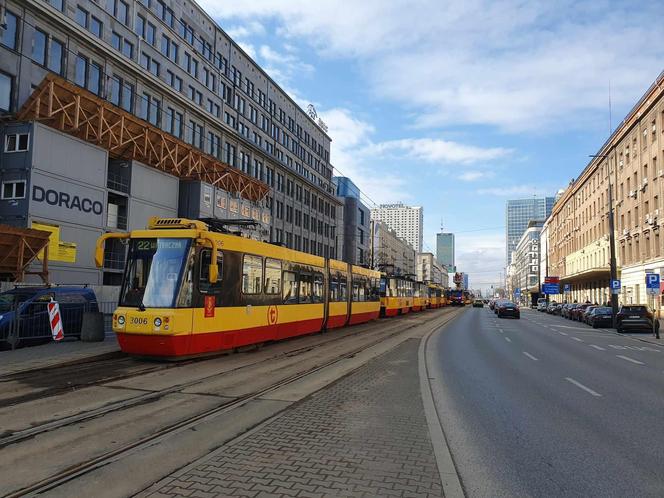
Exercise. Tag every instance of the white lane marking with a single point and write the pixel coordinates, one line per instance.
(500, 330)
(562, 333)
(600, 348)
(581, 386)
(635, 348)
(508, 339)
(577, 339)
(627, 358)
(530, 356)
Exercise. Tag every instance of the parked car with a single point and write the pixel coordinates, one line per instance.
(567, 310)
(600, 316)
(583, 315)
(557, 309)
(478, 303)
(541, 304)
(551, 307)
(508, 308)
(25, 309)
(577, 312)
(635, 317)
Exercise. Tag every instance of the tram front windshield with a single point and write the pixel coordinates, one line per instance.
(154, 271)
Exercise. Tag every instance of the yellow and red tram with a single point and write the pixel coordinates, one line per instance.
(396, 295)
(188, 289)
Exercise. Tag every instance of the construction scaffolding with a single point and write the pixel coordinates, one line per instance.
(18, 248)
(78, 112)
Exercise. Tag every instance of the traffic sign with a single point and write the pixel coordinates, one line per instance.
(652, 283)
(615, 286)
(551, 288)
(517, 292)
(551, 280)
(567, 288)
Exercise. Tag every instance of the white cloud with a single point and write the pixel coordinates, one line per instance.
(246, 30)
(518, 66)
(471, 176)
(518, 190)
(350, 136)
(437, 150)
(482, 256)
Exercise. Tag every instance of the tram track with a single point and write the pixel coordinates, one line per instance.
(86, 466)
(21, 435)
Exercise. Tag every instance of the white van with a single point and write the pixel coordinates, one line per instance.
(541, 304)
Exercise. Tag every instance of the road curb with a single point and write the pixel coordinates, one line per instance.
(449, 477)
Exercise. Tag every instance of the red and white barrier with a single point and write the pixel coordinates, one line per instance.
(55, 320)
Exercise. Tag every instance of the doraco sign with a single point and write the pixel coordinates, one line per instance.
(65, 200)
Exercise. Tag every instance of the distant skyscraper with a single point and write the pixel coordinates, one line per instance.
(406, 221)
(445, 250)
(518, 213)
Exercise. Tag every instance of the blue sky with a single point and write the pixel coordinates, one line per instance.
(457, 106)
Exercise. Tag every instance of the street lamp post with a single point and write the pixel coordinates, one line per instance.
(612, 242)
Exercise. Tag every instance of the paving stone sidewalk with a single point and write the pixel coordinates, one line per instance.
(365, 435)
(54, 353)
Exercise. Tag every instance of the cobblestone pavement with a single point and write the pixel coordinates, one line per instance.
(365, 435)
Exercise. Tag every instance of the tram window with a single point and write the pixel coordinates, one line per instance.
(306, 281)
(343, 295)
(187, 288)
(334, 289)
(252, 274)
(204, 272)
(318, 288)
(356, 290)
(393, 290)
(272, 276)
(289, 290)
(375, 290)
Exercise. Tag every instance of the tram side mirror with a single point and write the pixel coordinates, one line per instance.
(99, 255)
(213, 273)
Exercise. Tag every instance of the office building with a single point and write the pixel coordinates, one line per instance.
(406, 221)
(191, 126)
(391, 253)
(354, 231)
(430, 271)
(631, 164)
(445, 251)
(518, 213)
(524, 270)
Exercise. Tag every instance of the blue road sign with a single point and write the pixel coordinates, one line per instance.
(517, 292)
(551, 288)
(615, 286)
(567, 288)
(652, 283)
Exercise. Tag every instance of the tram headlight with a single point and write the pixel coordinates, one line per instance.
(121, 320)
(157, 322)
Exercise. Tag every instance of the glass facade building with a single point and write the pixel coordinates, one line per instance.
(445, 250)
(518, 213)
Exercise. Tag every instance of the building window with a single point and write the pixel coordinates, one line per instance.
(13, 190)
(17, 142)
(122, 94)
(150, 64)
(6, 87)
(118, 9)
(39, 47)
(173, 122)
(10, 32)
(88, 74)
(58, 4)
(56, 56)
(149, 110)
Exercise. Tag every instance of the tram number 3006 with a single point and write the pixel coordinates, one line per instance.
(139, 321)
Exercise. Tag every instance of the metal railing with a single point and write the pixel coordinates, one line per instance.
(118, 183)
(27, 323)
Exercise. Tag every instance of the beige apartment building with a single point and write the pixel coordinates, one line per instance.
(391, 253)
(631, 163)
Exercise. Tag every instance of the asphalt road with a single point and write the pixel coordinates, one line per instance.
(543, 406)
